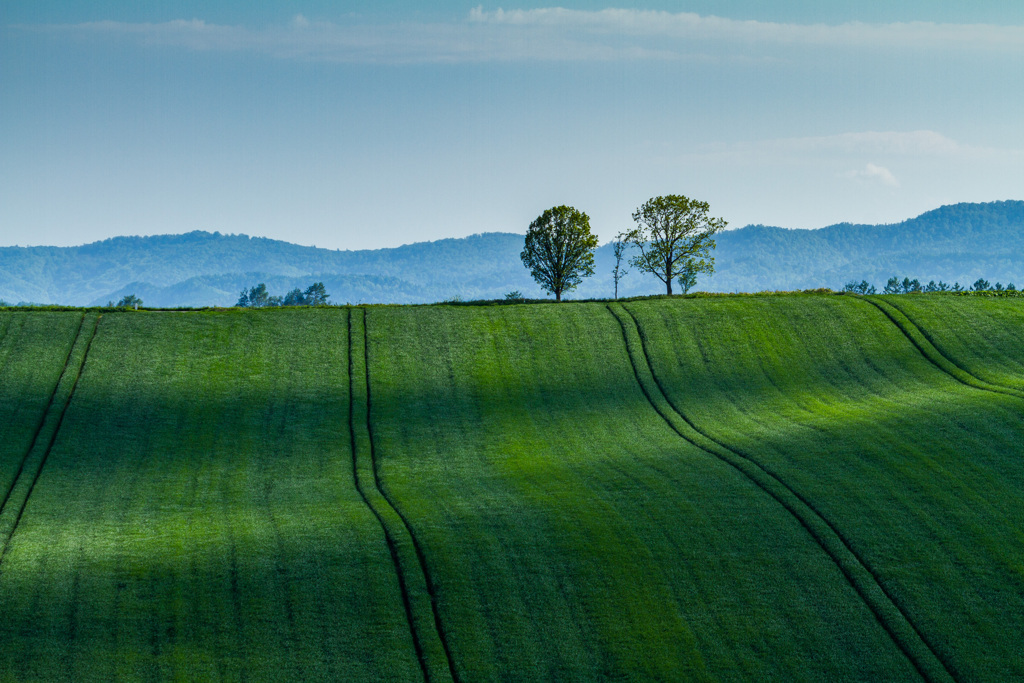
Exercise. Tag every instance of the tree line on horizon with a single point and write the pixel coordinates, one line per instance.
(258, 297)
(907, 286)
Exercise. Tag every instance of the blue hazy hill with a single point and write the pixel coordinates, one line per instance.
(954, 243)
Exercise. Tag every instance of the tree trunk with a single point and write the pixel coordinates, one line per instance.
(668, 286)
(558, 295)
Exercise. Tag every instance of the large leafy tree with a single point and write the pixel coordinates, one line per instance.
(673, 234)
(559, 249)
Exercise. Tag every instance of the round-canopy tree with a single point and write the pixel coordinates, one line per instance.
(560, 249)
(674, 234)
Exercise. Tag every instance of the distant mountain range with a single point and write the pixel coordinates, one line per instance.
(961, 243)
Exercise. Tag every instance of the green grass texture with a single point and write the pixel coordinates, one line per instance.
(809, 488)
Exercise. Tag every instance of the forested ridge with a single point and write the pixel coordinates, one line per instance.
(957, 243)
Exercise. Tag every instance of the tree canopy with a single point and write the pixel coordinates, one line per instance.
(673, 234)
(559, 249)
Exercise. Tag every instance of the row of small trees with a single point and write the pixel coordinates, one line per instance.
(258, 297)
(907, 286)
(672, 240)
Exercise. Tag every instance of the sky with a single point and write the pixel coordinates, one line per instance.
(357, 125)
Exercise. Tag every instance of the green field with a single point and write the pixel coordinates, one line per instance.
(803, 487)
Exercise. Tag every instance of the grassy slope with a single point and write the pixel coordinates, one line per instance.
(982, 335)
(571, 533)
(923, 475)
(197, 517)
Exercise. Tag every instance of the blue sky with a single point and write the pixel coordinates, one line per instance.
(362, 125)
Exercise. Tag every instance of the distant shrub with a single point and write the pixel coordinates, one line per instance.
(129, 301)
(862, 287)
(514, 295)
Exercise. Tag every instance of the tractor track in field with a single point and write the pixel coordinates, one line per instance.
(21, 474)
(924, 343)
(430, 646)
(42, 419)
(879, 601)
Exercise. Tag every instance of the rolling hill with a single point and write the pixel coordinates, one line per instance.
(954, 243)
(812, 487)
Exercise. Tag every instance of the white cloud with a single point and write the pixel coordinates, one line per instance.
(552, 34)
(687, 25)
(873, 172)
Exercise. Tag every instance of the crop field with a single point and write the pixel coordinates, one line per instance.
(803, 487)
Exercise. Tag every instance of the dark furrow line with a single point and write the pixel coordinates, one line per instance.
(53, 438)
(392, 548)
(68, 657)
(795, 513)
(931, 340)
(431, 586)
(42, 419)
(977, 383)
(236, 599)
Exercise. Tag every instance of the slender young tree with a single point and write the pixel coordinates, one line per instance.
(687, 278)
(559, 249)
(619, 271)
(672, 233)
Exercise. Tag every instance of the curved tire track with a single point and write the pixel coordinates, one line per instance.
(858, 574)
(921, 340)
(417, 588)
(31, 467)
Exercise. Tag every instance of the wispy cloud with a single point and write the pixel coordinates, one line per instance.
(550, 34)
(686, 25)
(875, 173)
(402, 43)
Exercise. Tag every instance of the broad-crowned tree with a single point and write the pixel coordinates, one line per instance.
(559, 249)
(673, 233)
